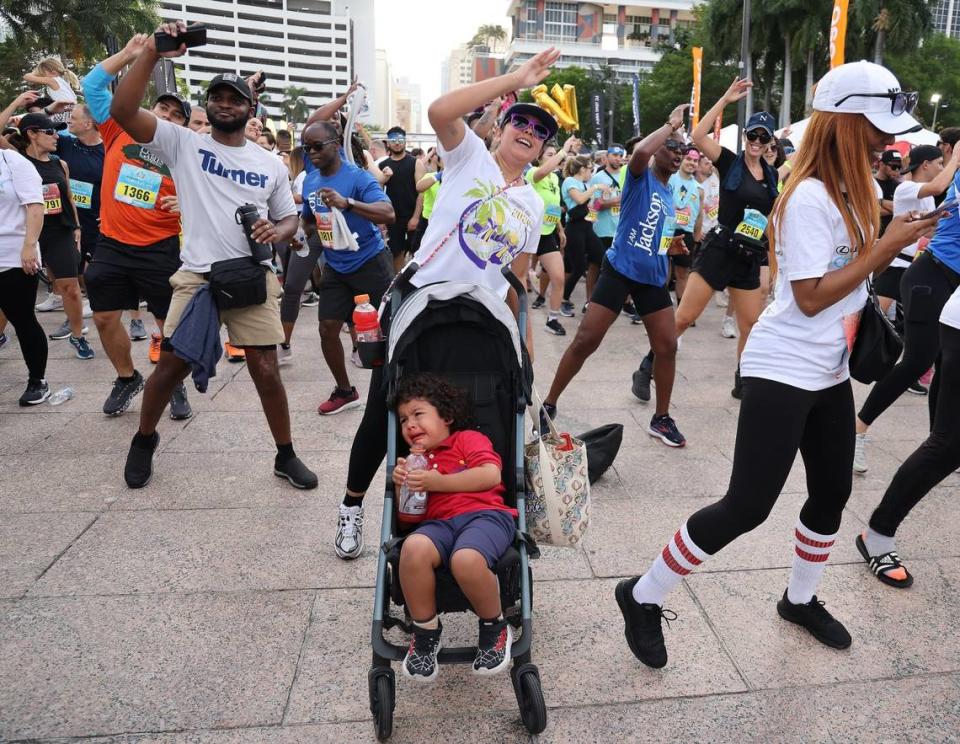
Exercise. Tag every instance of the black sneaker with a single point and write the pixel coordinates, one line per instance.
(420, 662)
(539, 302)
(737, 391)
(641, 625)
(122, 394)
(493, 647)
(179, 405)
(629, 308)
(814, 617)
(299, 475)
(553, 325)
(566, 309)
(665, 429)
(636, 319)
(917, 389)
(641, 383)
(139, 465)
(36, 393)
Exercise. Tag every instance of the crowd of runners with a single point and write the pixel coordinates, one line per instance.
(128, 216)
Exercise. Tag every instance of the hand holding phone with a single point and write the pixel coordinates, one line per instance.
(946, 206)
(191, 36)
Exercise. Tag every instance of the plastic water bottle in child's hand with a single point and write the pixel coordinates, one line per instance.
(413, 504)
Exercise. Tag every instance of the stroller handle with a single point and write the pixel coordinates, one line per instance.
(512, 280)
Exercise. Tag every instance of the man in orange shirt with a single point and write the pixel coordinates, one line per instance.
(139, 246)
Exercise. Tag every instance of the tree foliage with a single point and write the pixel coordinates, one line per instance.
(931, 69)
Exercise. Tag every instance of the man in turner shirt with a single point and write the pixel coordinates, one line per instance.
(215, 174)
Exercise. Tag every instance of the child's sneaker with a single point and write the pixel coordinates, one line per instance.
(493, 647)
(420, 662)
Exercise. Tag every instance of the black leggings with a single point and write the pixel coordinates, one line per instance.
(925, 289)
(938, 456)
(370, 442)
(583, 245)
(775, 421)
(18, 293)
(297, 271)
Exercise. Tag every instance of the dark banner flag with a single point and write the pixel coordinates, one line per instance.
(636, 105)
(164, 76)
(596, 117)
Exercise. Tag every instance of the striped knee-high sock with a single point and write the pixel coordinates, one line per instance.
(811, 551)
(678, 558)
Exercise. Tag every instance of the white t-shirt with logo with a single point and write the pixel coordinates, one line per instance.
(950, 315)
(711, 202)
(905, 200)
(212, 180)
(20, 185)
(488, 233)
(785, 345)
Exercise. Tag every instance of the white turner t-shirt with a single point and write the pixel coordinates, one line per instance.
(490, 232)
(212, 180)
(785, 345)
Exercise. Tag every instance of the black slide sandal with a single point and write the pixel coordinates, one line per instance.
(879, 565)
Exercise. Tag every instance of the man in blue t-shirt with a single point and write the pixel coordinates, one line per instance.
(637, 265)
(357, 266)
(687, 203)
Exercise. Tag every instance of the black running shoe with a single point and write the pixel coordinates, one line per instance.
(737, 391)
(179, 405)
(36, 393)
(553, 325)
(917, 389)
(641, 383)
(665, 429)
(539, 302)
(566, 309)
(122, 394)
(420, 662)
(139, 465)
(493, 647)
(814, 617)
(641, 625)
(299, 475)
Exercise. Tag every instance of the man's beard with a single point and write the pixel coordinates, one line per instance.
(227, 127)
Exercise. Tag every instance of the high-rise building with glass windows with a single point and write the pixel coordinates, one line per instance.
(946, 17)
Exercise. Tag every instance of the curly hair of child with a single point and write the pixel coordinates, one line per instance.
(451, 402)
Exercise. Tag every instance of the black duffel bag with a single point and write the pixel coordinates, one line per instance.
(238, 282)
(603, 444)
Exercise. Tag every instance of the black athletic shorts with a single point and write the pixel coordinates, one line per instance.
(613, 288)
(337, 290)
(722, 265)
(685, 262)
(888, 283)
(399, 240)
(120, 275)
(548, 244)
(58, 252)
(597, 249)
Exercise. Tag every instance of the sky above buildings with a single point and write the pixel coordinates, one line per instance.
(419, 34)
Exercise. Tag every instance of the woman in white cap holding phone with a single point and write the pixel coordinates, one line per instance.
(796, 383)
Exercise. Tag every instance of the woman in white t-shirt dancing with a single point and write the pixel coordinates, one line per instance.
(486, 216)
(797, 392)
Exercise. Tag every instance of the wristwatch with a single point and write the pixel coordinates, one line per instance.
(351, 203)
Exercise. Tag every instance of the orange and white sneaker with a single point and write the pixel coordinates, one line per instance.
(155, 340)
(234, 353)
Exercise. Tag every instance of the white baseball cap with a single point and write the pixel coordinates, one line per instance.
(869, 89)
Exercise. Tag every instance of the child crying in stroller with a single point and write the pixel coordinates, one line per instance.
(467, 526)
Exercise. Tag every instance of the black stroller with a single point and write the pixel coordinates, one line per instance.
(467, 334)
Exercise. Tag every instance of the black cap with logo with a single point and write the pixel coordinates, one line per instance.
(230, 80)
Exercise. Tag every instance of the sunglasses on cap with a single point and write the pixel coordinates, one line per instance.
(900, 102)
(521, 122)
(317, 146)
(759, 135)
(616, 151)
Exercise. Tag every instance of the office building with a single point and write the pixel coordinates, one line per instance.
(407, 105)
(623, 36)
(946, 17)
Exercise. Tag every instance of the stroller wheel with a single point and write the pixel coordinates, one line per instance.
(533, 710)
(382, 685)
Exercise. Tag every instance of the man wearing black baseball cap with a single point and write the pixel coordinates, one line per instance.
(215, 174)
(888, 176)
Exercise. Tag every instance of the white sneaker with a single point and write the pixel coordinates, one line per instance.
(284, 355)
(355, 359)
(860, 454)
(349, 542)
(53, 302)
(728, 329)
(721, 298)
(87, 312)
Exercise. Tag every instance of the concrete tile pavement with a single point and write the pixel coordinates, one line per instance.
(209, 608)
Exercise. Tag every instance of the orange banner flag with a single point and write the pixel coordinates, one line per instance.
(838, 32)
(697, 76)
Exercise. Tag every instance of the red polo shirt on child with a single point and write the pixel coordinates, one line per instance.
(461, 451)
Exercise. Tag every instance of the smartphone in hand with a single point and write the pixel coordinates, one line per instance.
(946, 206)
(195, 35)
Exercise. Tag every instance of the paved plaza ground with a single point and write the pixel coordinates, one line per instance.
(209, 607)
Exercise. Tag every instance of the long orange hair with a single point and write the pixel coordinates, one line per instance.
(836, 150)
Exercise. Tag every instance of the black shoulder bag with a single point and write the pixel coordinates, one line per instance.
(241, 282)
(877, 346)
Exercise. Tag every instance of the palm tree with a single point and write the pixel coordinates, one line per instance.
(294, 107)
(494, 34)
(895, 24)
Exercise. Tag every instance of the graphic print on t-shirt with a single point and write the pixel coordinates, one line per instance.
(492, 230)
